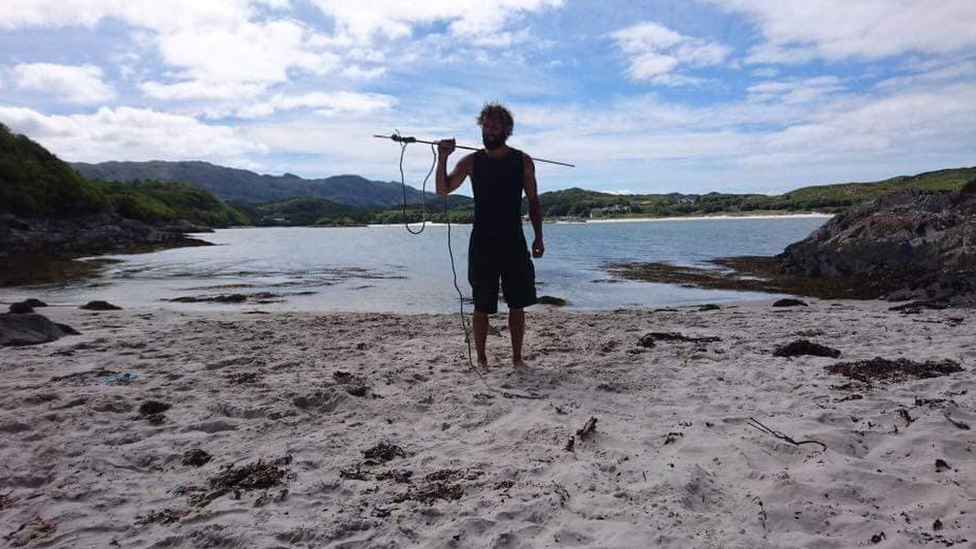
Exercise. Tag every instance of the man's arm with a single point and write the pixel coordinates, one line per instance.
(535, 207)
(447, 184)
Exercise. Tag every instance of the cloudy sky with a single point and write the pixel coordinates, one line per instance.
(688, 96)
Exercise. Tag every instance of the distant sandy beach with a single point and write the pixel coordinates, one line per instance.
(638, 219)
(159, 428)
(708, 217)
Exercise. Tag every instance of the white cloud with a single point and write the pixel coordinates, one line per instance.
(473, 19)
(503, 39)
(861, 29)
(220, 48)
(202, 90)
(81, 84)
(942, 74)
(239, 62)
(357, 72)
(161, 16)
(225, 56)
(127, 133)
(765, 72)
(344, 146)
(323, 102)
(645, 66)
(246, 53)
(777, 141)
(339, 101)
(915, 122)
(236, 63)
(795, 91)
(655, 53)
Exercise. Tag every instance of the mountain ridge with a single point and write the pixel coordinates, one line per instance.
(237, 184)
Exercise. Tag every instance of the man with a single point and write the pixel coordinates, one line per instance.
(497, 249)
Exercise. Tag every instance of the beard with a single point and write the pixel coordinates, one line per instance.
(492, 141)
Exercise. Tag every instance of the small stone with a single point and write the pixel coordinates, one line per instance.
(30, 329)
(196, 458)
(100, 306)
(21, 308)
(646, 341)
(550, 300)
(151, 407)
(357, 390)
(803, 347)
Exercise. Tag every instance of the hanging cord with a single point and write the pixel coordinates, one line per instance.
(404, 141)
(423, 189)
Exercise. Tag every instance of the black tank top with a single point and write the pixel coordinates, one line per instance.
(497, 186)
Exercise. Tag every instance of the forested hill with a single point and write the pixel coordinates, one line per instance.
(234, 184)
(577, 202)
(36, 184)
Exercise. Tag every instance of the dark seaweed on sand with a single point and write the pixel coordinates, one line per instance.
(881, 369)
(383, 452)
(253, 476)
(803, 347)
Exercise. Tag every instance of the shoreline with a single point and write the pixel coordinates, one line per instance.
(722, 217)
(51, 266)
(634, 219)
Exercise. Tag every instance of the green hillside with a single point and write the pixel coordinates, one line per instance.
(852, 193)
(823, 198)
(299, 211)
(36, 184)
(154, 202)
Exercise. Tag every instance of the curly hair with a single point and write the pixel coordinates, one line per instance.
(495, 111)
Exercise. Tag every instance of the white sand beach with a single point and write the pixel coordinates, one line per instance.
(711, 217)
(673, 461)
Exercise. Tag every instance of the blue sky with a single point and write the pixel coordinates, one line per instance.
(691, 96)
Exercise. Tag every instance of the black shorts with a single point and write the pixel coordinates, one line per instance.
(494, 255)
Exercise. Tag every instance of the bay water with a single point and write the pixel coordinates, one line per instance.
(387, 269)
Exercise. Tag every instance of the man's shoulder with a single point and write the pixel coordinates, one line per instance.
(468, 159)
(519, 155)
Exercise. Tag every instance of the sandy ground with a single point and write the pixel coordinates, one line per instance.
(673, 461)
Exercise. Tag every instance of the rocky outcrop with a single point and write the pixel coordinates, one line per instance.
(85, 235)
(30, 329)
(100, 306)
(907, 245)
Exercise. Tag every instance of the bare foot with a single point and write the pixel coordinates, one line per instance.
(518, 364)
(483, 363)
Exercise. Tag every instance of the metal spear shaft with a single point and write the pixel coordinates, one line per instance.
(402, 139)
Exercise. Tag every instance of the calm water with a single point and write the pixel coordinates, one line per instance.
(386, 269)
